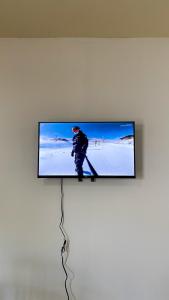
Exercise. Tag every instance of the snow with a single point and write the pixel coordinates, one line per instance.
(107, 157)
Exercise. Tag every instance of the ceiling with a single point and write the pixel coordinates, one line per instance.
(84, 18)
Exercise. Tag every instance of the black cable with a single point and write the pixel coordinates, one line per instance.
(63, 265)
(62, 210)
(63, 249)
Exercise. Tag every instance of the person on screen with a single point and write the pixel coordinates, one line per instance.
(80, 145)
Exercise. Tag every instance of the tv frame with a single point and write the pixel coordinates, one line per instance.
(94, 176)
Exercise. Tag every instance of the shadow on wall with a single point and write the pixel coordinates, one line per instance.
(139, 151)
(31, 279)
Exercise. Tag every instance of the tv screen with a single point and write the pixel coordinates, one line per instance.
(86, 149)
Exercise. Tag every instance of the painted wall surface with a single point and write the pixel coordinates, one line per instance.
(119, 229)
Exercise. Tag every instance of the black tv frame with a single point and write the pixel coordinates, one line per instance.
(94, 176)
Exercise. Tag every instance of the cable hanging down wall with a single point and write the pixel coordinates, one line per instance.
(65, 249)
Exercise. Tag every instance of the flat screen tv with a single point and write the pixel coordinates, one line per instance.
(86, 149)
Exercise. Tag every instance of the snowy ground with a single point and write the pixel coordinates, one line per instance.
(107, 158)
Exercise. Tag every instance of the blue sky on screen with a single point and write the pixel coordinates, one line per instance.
(92, 130)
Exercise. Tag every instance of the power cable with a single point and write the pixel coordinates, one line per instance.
(65, 240)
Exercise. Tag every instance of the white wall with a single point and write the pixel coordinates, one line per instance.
(119, 229)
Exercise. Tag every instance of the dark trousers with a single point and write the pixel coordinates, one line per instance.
(79, 159)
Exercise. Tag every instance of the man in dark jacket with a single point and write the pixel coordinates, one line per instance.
(80, 144)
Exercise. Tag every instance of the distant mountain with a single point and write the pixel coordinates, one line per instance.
(60, 140)
(127, 137)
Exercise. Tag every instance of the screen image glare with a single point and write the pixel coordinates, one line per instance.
(86, 149)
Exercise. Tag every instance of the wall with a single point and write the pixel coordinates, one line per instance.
(118, 228)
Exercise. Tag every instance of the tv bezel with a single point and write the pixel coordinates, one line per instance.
(93, 176)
